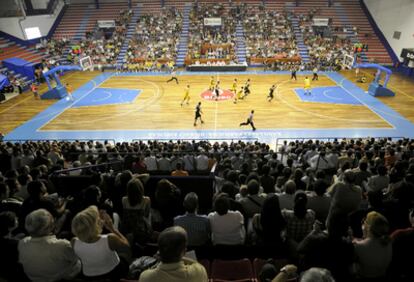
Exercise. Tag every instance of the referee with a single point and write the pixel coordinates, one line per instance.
(249, 121)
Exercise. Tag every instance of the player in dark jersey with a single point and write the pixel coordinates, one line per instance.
(271, 90)
(217, 90)
(247, 88)
(293, 73)
(198, 113)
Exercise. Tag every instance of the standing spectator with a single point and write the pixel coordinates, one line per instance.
(320, 202)
(136, 213)
(300, 220)
(346, 196)
(269, 225)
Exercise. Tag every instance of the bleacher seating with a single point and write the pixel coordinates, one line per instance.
(10, 49)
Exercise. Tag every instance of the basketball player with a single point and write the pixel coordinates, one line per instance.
(198, 113)
(315, 74)
(249, 121)
(307, 86)
(246, 88)
(271, 90)
(234, 86)
(173, 77)
(239, 95)
(217, 90)
(212, 83)
(186, 95)
(293, 73)
(69, 90)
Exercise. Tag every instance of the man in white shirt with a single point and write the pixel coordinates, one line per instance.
(227, 227)
(249, 121)
(150, 161)
(202, 162)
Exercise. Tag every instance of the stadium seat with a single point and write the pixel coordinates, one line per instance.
(207, 265)
(236, 270)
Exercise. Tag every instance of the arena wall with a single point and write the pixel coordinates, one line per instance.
(391, 16)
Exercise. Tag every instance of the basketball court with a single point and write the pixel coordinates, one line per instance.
(128, 106)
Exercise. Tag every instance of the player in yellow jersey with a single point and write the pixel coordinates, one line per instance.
(234, 86)
(239, 95)
(307, 86)
(212, 83)
(186, 95)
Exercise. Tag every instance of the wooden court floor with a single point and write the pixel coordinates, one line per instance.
(158, 105)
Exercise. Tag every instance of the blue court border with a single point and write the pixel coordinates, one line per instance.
(31, 130)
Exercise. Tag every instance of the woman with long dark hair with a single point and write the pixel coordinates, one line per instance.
(269, 225)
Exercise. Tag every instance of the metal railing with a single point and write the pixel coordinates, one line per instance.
(279, 141)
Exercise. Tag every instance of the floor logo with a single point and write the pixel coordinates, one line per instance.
(224, 94)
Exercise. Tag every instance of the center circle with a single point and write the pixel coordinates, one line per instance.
(224, 94)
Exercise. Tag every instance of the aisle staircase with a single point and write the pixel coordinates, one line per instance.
(240, 44)
(129, 34)
(182, 47)
(302, 48)
(346, 22)
(80, 33)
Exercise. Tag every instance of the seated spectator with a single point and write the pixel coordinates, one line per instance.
(402, 249)
(98, 253)
(39, 199)
(299, 222)
(7, 202)
(380, 181)
(10, 268)
(167, 197)
(179, 170)
(196, 226)
(374, 252)
(227, 227)
(174, 267)
(253, 203)
(43, 256)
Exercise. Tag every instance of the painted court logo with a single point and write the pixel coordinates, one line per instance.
(224, 94)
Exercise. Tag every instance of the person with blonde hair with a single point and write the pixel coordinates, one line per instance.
(98, 253)
(374, 253)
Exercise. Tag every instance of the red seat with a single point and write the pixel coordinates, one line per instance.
(233, 270)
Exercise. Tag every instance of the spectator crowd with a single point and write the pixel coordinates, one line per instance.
(343, 206)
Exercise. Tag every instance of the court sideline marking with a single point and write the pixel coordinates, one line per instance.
(30, 96)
